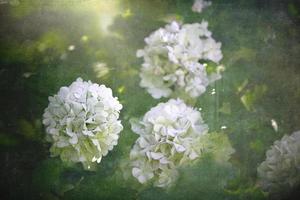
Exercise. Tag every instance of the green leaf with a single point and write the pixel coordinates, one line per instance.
(225, 108)
(251, 96)
(8, 140)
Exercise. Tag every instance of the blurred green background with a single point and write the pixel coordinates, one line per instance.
(48, 44)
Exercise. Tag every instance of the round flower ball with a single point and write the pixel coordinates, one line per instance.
(280, 172)
(169, 137)
(82, 122)
(175, 60)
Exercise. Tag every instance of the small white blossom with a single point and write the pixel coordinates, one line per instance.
(82, 122)
(199, 5)
(274, 125)
(280, 172)
(223, 127)
(169, 136)
(171, 60)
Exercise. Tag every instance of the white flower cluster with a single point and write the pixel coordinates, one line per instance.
(169, 136)
(171, 60)
(82, 122)
(280, 172)
(199, 5)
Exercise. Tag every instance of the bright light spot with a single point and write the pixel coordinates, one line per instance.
(220, 68)
(200, 109)
(84, 38)
(121, 89)
(223, 127)
(274, 125)
(107, 12)
(71, 48)
(213, 91)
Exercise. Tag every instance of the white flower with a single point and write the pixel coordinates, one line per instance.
(171, 60)
(280, 172)
(169, 136)
(82, 122)
(199, 5)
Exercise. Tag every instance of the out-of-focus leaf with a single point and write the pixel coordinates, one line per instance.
(243, 53)
(121, 89)
(204, 180)
(52, 40)
(46, 177)
(251, 96)
(293, 9)
(251, 192)
(243, 85)
(257, 146)
(31, 131)
(172, 17)
(225, 108)
(219, 146)
(7, 140)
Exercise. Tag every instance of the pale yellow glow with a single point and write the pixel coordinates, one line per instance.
(104, 10)
(107, 12)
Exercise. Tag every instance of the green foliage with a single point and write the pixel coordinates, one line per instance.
(205, 180)
(46, 179)
(246, 192)
(7, 140)
(225, 108)
(252, 96)
(220, 147)
(31, 131)
(293, 10)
